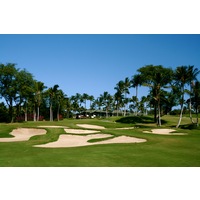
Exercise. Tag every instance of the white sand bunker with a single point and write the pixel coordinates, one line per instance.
(53, 126)
(77, 141)
(23, 134)
(125, 128)
(80, 131)
(164, 132)
(73, 140)
(122, 139)
(90, 126)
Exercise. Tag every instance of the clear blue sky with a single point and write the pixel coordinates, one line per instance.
(93, 64)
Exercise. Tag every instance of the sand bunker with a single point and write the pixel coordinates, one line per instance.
(122, 139)
(80, 131)
(90, 126)
(164, 132)
(77, 141)
(73, 140)
(23, 134)
(53, 126)
(125, 128)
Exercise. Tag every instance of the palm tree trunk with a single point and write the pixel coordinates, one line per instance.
(25, 115)
(38, 113)
(58, 114)
(136, 112)
(117, 109)
(159, 115)
(180, 117)
(34, 114)
(155, 112)
(125, 105)
(51, 113)
(181, 114)
(11, 113)
(197, 116)
(190, 105)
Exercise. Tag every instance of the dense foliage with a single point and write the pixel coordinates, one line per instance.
(25, 98)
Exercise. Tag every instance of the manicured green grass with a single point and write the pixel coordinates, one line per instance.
(159, 150)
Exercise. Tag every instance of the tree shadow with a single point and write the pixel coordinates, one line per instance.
(139, 120)
(189, 126)
(136, 119)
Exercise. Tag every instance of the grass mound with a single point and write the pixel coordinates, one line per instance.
(135, 119)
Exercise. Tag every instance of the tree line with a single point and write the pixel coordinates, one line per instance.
(29, 99)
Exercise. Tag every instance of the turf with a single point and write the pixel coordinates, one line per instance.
(158, 151)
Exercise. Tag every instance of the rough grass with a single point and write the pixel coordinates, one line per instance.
(159, 150)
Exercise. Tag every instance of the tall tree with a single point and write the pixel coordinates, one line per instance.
(107, 101)
(118, 96)
(85, 97)
(75, 102)
(143, 104)
(196, 99)
(181, 77)
(156, 78)
(136, 81)
(127, 84)
(52, 94)
(123, 88)
(8, 87)
(24, 83)
(193, 72)
(60, 100)
(38, 92)
(91, 99)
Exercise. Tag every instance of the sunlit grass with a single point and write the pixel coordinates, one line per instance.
(159, 150)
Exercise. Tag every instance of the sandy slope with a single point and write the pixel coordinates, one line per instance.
(80, 131)
(23, 134)
(90, 126)
(163, 132)
(73, 140)
(76, 141)
(53, 126)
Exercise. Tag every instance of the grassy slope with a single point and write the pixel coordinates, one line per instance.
(160, 150)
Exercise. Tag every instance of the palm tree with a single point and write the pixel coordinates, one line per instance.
(181, 77)
(68, 106)
(135, 82)
(60, 97)
(91, 99)
(133, 104)
(85, 97)
(38, 90)
(196, 99)
(118, 98)
(143, 104)
(106, 101)
(79, 100)
(119, 94)
(123, 88)
(52, 93)
(156, 78)
(193, 72)
(127, 84)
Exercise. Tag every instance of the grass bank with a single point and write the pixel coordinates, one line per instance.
(159, 150)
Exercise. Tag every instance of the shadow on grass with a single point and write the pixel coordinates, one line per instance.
(189, 126)
(139, 119)
(136, 119)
